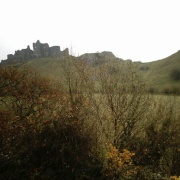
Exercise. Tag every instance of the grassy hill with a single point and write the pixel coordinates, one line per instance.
(53, 67)
(49, 67)
(156, 74)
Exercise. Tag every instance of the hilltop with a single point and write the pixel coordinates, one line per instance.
(49, 61)
(158, 74)
(40, 50)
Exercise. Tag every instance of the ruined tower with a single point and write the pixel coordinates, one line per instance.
(41, 50)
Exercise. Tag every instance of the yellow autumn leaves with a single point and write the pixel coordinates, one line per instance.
(119, 164)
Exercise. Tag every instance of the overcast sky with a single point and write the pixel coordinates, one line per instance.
(141, 30)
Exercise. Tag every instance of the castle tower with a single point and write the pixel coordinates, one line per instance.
(37, 48)
(41, 50)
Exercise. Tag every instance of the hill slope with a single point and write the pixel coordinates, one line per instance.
(157, 74)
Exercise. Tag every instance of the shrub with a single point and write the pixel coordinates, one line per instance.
(58, 150)
(40, 135)
(119, 165)
(158, 149)
(172, 90)
(175, 74)
(152, 90)
(144, 68)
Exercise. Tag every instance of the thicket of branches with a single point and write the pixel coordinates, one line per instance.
(100, 123)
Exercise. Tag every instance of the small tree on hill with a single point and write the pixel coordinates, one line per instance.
(125, 100)
(175, 74)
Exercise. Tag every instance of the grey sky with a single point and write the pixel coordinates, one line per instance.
(142, 30)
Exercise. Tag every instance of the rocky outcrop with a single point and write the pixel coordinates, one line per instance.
(94, 56)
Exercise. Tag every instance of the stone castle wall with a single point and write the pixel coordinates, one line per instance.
(40, 50)
(43, 50)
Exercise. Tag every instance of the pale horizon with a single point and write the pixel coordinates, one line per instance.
(141, 30)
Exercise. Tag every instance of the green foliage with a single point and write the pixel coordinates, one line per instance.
(144, 68)
(175, 74)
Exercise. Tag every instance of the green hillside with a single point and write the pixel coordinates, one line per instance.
(156, 74)
(52, 67)
(49, 67)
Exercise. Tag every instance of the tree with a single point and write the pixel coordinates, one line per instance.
(80, 82)
(25, 93)
(42, 136)
(125, 99)
(175, 74)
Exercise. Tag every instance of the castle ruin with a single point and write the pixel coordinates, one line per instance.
(40, 50)
(43, 50)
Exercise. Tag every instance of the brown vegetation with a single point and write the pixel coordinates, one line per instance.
(100, 123)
